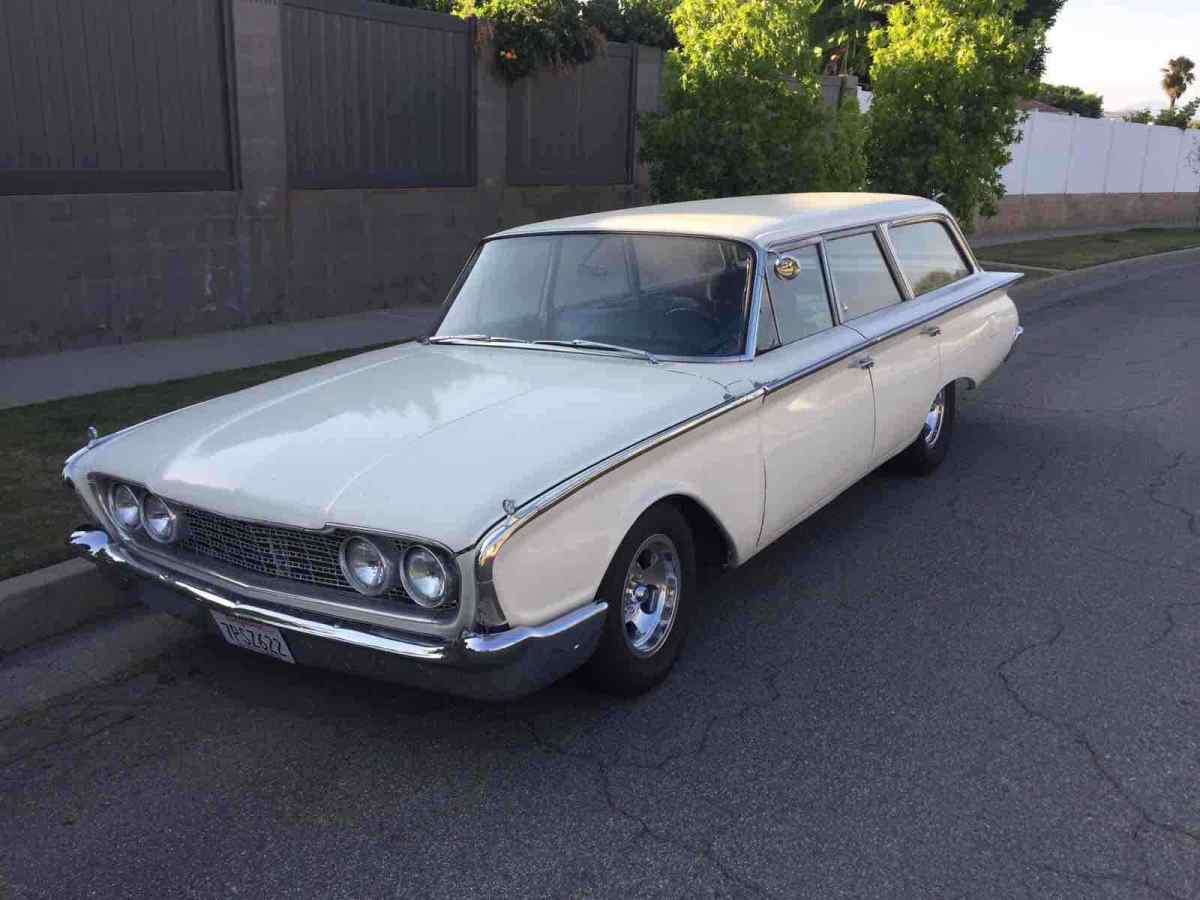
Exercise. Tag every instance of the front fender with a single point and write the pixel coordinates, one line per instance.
(554, 562)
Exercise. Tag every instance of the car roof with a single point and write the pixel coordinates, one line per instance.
(760, 219)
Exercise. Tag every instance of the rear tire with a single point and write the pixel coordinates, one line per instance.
(926, 453)
(650, 588)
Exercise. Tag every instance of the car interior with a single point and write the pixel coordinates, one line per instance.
(678, 296)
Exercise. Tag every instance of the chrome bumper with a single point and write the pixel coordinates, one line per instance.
(499, 666)
(1017, 332)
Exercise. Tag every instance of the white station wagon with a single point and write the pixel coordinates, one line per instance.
(610, 406)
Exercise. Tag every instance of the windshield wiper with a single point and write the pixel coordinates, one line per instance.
(581, 344)
(484, 338)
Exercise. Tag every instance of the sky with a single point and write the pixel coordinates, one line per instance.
(1117, 49)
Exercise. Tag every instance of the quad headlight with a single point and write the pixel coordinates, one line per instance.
(158, 519)
(366, 567)
(125, 508)
(424, 577)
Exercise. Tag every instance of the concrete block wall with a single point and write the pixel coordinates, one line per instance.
(84, 270)
(1048, 212)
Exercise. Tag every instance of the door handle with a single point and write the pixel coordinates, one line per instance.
(931, 331)
(864, 363)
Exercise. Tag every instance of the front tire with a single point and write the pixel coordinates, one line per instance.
(926, 453)
(650, 589)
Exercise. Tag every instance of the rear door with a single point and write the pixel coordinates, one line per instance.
(904, 363)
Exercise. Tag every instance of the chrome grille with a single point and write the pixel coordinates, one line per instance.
(273, 550)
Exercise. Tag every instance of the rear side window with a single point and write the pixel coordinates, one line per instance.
(927, 256)
(861, 277)
(801, 303)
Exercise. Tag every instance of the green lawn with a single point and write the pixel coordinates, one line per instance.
(35, 511)
(1081, 251)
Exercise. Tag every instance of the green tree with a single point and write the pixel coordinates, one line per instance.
(1072, 99)
(530, 34)
(1180, 116)
(840, 28)
(1178, 75)
(947, 76)
(1139, 116)
(634, 21)
(1037, 15)
(743, 110)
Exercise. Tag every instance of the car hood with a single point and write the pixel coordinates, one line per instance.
(417, 439)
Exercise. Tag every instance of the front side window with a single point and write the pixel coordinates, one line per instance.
(676, 296)
(801, 303)
(927, 256)
(861, 277)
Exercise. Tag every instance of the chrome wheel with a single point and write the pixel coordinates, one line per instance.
(651, 594)
(934, 419)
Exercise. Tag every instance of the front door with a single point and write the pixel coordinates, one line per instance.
(817, 416)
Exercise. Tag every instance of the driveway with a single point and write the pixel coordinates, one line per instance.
(985, 683)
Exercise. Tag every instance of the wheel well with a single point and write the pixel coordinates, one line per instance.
(964, 384)
(714, 549)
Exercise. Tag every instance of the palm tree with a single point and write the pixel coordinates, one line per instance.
(1177, 77)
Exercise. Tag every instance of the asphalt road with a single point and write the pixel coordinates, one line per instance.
(979, 684)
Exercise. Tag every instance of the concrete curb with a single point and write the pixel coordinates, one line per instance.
(50, 601)
(57, 599)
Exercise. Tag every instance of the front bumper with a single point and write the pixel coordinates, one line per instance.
(499, 666)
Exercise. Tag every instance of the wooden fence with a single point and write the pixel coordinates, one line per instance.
(114, 96)
(576, 126)
(125, 96)
(377, 96)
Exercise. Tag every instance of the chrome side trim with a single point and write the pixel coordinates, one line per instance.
(496, 537)
(933, 312)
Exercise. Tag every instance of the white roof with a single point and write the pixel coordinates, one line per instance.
(763, 218)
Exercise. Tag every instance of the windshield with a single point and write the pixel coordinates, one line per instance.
(676, 296)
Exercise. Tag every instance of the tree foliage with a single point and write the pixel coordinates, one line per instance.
(1178, 75)
(1179, 116)
(743, 110)
(947, 76)
(1037, 16)
(634, 21)
(841, 28)
(533, 34)
(1072, 99)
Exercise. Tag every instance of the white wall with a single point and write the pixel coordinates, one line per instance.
(1071, 155)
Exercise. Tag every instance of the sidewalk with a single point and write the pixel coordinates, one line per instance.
(34, 379)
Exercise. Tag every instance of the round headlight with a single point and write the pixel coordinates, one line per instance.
(124, 506)
(158, 519)
(424, 577)
(365, 566)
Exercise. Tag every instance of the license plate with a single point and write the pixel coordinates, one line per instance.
(264, 639)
